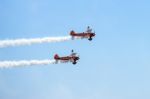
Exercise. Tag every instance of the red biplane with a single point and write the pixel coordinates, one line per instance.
(72, 58)
(88, 34)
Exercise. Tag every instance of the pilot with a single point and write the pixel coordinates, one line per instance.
(73, 54)
(89, 30)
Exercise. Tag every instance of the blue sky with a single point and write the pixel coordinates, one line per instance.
(115, 65)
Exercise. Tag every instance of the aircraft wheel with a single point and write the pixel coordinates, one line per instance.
(74, 63)
(90, 39)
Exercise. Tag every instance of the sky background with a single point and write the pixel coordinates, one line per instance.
(115, 65)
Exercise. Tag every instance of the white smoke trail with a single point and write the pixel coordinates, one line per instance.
(9, 64)
(18, 42)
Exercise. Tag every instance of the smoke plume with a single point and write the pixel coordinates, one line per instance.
(19, 42)
(9, 64)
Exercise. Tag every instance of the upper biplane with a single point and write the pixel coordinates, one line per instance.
(87, 34)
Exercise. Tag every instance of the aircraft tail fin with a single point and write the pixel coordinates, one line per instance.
(72, 33)
(56, 56)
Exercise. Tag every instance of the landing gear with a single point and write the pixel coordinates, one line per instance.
(74, 62)
(90, 39)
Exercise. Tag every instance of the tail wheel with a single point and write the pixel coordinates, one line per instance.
(56, 62)
(72, 37)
